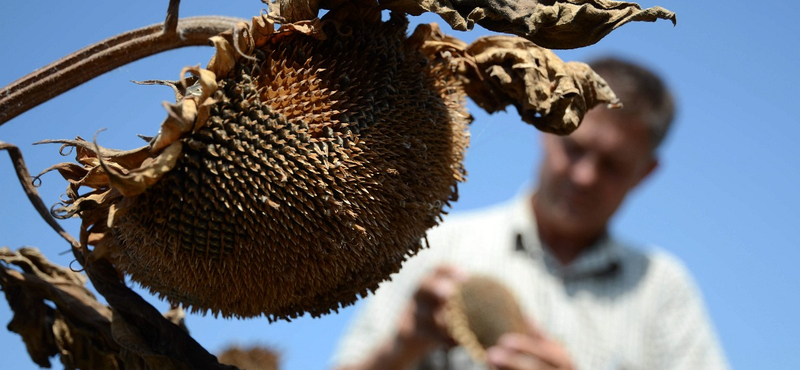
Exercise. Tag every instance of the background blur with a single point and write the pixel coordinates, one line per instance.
(725, 199)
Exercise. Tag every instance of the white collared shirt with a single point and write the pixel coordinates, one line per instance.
(614, 307)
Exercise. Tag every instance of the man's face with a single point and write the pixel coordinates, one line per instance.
(585, 176)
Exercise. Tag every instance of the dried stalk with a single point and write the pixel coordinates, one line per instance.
(145, 334)
(25, 180)
(83, 65)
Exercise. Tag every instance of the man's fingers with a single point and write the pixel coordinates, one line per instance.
(521, 343)
(440, 285)
(505, 359)
(452, 272)
(429, 301)
(533, 329)
(547, 351)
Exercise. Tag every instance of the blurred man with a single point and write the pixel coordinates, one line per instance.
(593, 301)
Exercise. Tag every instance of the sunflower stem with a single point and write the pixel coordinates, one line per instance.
(24, 177)
(171, 22)
(162, 338)
(92, 61)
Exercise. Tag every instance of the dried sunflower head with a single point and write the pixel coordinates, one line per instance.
(482, 310)
(253, 358)
(296, 172)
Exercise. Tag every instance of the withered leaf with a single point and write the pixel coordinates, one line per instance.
(56, 314)
(498, 71)
(77, 327)
(559, 24)
(554, 24)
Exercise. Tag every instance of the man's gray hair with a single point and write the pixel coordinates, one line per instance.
(642, 93)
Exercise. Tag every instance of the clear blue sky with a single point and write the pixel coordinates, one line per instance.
(725, 199)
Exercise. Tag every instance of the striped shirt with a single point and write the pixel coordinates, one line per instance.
(614, 307)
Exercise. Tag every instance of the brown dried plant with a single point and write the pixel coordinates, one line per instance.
(252, 358)
(294, 173)
(480, 312)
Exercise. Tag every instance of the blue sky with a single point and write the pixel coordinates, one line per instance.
(725, 199)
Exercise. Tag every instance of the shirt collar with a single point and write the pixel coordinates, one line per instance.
(601, 258)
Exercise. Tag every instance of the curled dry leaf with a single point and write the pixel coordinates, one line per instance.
(299, 170)
(497, 71)
(56, 314)
(76, 327)
(479, 312)
(554, 24)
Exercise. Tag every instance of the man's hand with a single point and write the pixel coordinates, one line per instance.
(532, 351)
(422, 324)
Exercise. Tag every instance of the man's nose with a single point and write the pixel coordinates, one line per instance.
(584, 171)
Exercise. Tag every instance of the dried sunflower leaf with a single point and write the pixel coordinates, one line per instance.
(86, 333)
(136, 181)
(77, 328)
(191, 112)
(89, 173)
(561, 24)
(297, 10)
(291, 11)
(578, 23)
(180, 120)
(87, 152)
(71, 172)
(498, 71)
(224, 59)
(262, 29)
(311, 28)
(207, 81)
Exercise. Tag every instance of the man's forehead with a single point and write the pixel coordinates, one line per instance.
(613, 132)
